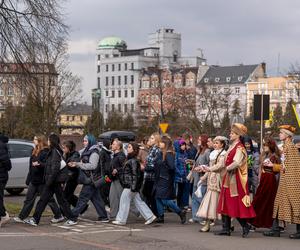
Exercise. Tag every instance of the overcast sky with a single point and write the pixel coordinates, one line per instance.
(230, 32)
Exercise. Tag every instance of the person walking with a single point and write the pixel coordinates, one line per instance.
(55, 177)
(5, 167)
(287, 201)
(88, 171)
(234, 201)
(163, 188)
(36, 181)
(131, 179)
(116, 168)
(213, 174)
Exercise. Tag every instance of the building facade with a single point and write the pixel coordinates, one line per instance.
(118, 68)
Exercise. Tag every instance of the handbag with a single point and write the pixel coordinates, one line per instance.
(83, 178)
(62, 161)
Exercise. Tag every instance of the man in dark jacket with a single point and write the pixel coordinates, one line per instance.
(5, 166)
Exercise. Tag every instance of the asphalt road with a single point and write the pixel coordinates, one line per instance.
(135, 235)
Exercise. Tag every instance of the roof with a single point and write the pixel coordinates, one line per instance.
(77, 109)
(32, 68)
(228, 74)
(112, 42)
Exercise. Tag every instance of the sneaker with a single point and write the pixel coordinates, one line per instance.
(148, 222)
(103, 220)
(70, 223)
(203, 223)
(60, 219)
(182, 216)
(4, 220)
(192, 221)
(31, 222)
(18, 219)
(116, 222)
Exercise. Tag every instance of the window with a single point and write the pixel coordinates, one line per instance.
(112, 67)
(68, 118)
(112, 80)
(240, 78)
(19, 150)
(125, 79)
(203, 104)
(99, 57)
(98, 68)
(119, 66)
(119, 94)
(106, 93)
(113, 107)
(1, 91)
(132, 79)
(206, 80)
(98, 79)
(125, 66)
(106, 81)
(226, 90)
(73, 118)
(132, 65)
(132, 93)
(106, 108)
(125, 93)
(214, 90)
(119, 80)
(106, 67)
(217, 79)
(119, 107)
(132, 107)
(228, 79)
(125, 108)
(237, 90)
(10, 91)
(112, 94)
(81, 118)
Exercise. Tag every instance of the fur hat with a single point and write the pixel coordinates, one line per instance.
(287, 129)
(239, 129)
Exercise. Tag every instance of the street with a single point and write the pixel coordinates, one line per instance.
(135, 235)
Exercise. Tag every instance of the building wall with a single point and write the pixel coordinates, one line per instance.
(72, 124)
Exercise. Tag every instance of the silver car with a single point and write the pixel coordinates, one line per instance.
(20, 152)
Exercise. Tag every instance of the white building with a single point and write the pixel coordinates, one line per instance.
(118, 68)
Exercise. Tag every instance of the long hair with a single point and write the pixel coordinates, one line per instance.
(136, 149)
(168, 146)
(203, 145)
(70, 145)
(157, 138)
(42, 143)
(270, 142)
(54, 141)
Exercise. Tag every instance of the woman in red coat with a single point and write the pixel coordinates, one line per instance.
(234, 201)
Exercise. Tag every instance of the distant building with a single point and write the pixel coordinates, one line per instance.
(220, 86)
(73, 118)
(18, 80)
(118, 68)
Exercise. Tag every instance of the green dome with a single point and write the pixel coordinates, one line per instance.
(112, 42)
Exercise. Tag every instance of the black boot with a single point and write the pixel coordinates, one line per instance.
(296, 235)
(275, 231)
(182, 216)
(160, 219)
(226, 226)
(245, 226)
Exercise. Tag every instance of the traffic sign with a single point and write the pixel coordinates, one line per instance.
(164, 127)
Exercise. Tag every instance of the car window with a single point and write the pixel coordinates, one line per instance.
(19, 150)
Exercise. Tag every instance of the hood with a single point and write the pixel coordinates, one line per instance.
(176, 146)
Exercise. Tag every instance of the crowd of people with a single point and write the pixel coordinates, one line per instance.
(221, 178)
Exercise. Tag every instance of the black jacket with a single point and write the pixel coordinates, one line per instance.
(105, 161)
(5, 163)
(117, 163)
(36, 174)
(164, 177)
(53, 174)
(72, 157)
(132, 176)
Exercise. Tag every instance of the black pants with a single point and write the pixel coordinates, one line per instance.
(2, 208)
(69, 191)
(149, 196)
(46, 195)
(32, 192)
(104, 191)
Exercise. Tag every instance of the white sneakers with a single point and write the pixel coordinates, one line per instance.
(70, 223)
(116, 222)
(18, 220)
(31, 222)
(152, 219)
(54, 220)
(4, 219)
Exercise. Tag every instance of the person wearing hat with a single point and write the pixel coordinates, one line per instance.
(234, 201)
(287, 201)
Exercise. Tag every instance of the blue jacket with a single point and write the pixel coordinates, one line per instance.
(181, 170)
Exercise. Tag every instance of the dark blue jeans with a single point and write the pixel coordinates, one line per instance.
(90, 193)
(160, 203)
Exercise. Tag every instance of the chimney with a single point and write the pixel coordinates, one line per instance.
(263, 65)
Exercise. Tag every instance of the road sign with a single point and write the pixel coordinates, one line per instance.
(164, 127)
(296, 109)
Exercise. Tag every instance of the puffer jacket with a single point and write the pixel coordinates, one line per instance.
(181, 170)
(5, 163)
(132, 176)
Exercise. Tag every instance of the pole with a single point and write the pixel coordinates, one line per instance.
(261, 121)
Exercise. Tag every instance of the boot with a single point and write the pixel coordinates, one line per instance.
(245, 226)
(296, 235)
(275, 231)
(226, 226)
(182, 216)
(160, 219)
(206, 227)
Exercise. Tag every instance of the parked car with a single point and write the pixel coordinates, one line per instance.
(20, 152)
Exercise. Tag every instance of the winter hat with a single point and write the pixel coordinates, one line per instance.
(239, 129)
(182, 142)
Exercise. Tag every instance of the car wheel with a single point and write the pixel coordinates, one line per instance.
(14, 191)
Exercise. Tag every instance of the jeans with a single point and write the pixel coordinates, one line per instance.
(197, 201)
(125, 201)
(47, 194)
(160, 203)
(115, 193)
(183, 194)
(2, 208)
(89, 192)
(32, 192)
(69, 192)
